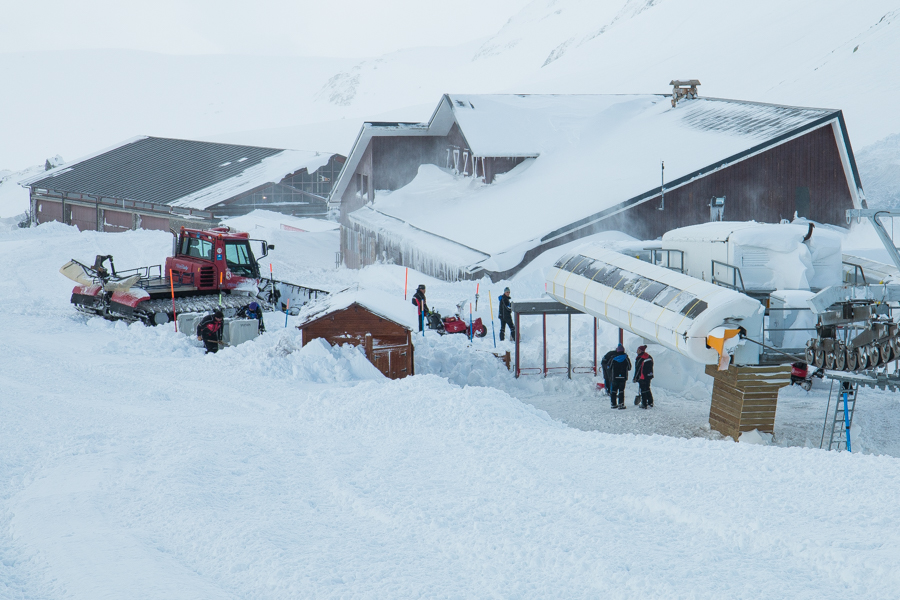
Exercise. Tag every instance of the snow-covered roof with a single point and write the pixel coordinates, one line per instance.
(392, 308)
(184, 173)
(596, 155)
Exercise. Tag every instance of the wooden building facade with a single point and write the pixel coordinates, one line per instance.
(790, 162)
(162, 183)
(387, 344)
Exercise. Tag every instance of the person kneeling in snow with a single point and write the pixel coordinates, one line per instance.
(210, 330)
(618, 366)
(643, 373)
(253, 311)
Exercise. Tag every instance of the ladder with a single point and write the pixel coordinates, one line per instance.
(842, 417)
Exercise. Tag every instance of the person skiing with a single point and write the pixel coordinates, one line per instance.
(418, 300)
(505, 316)
(643, 373)
(253, 311)
(210, 330)
(619, 366)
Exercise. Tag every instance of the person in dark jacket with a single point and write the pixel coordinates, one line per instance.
(604, 368)
(505, 316)
(253, 311)
(418, 300)
(643, 373)
(210, 330)
(619, 366)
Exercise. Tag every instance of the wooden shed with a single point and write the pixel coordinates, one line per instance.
(366, 318)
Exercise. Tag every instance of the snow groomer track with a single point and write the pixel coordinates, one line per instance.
(675, 310)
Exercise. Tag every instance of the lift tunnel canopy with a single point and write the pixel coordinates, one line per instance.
(658, 304)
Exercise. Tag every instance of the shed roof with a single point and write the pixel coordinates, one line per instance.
(392, 308)
(173, 172)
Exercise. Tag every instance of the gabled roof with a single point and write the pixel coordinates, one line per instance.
(173, 172)
(392, 308)
(531, 125)
(594, 156)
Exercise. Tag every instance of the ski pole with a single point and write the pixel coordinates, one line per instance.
(172, 286)
(272, 297)
(477, 285)
(405, 282)
(491, 306)
(287, 312)
(471, 331)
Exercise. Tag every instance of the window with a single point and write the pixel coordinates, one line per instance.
(197, 248)
(239, 259)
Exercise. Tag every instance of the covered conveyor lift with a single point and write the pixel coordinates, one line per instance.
(709, 324)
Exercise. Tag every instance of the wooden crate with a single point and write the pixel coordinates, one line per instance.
(745, 398)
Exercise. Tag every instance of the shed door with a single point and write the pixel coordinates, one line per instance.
(394, 361)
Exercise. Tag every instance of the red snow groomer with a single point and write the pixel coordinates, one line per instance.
(209, 269)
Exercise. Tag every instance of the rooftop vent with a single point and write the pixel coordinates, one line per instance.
(683, 89)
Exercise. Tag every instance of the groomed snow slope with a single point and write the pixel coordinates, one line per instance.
(136, 466)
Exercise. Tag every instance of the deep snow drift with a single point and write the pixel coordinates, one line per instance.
(136, 466)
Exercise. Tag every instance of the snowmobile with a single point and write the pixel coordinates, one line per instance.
(456, 324)
(208, 269)
(801, 375)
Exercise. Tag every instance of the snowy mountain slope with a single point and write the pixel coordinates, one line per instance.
(142, 467)
(808, 53)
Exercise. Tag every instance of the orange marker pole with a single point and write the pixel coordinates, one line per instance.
(477, 285)
(172, 286)
(405, 282)
(220, 288)
(287, 312)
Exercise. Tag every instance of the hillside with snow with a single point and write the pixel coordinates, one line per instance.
(820, 54)
(137, 466)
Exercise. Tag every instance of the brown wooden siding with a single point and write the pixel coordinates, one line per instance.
(82, 217)
(763, 188)
(157, 223)
(48, 211)
(116, 220)
(392, 349)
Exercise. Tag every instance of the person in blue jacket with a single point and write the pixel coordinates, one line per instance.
(253, 311)
(618, 367)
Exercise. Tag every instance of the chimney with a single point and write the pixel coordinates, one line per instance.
(683, 89)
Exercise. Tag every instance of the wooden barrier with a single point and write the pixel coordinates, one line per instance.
(745, 398)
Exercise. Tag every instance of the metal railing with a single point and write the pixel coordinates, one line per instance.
(857, 273)
(735, 272)
(657, 254)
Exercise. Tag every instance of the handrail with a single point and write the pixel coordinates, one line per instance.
(657, 260)
(735, 275)
(857, 272)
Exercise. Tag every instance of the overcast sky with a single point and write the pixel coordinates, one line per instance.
(354, 28)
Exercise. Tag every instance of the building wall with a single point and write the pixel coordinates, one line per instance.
(93, 216)
(392, 349)
(804, 174)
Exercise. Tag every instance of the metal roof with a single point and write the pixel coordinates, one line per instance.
(156, 170)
